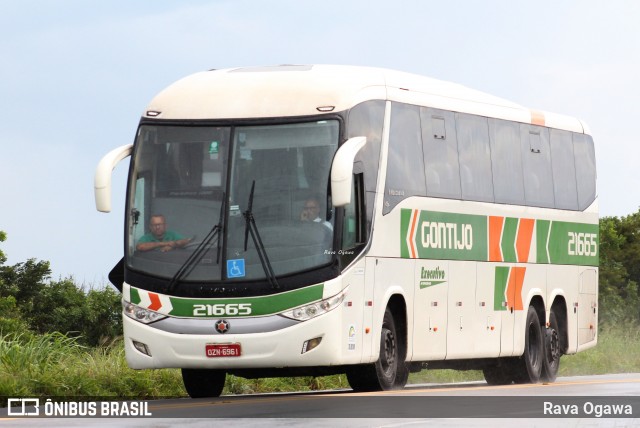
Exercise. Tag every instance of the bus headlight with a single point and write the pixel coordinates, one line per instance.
(312, 310)
(140, 314)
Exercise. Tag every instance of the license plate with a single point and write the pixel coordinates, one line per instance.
(222, 350)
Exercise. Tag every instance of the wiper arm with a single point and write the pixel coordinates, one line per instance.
(200, 251)
(194, 258)
(251, 228)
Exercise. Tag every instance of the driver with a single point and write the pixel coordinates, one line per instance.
(161, 238)
(311, 212)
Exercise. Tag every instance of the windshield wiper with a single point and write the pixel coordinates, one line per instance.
(200, 251)
(250, 227)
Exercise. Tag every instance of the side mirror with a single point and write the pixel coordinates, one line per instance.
(102, 180)
(342, 171)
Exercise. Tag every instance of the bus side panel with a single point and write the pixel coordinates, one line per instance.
(588, 309)
(489, 312)
(353, 315)
(461, 313)
(430, 310)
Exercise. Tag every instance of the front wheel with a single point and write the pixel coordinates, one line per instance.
(201, 383)
(390, 371)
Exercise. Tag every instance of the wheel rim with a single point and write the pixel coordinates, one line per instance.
(533, 346)
(389, 356)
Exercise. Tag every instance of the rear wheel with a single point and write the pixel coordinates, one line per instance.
(529, 365)
(201, 383)
(552, 353)
(390, 371)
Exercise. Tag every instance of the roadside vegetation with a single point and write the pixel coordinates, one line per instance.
(58, 338)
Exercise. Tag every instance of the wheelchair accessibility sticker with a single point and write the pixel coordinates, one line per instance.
(235, 268)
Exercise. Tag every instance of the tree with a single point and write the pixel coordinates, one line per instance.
(29, 300)
(619, 268)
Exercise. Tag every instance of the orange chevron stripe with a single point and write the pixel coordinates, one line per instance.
(514, 287)
(412, 234)
(523, 240)
(495, 235)
(155, 302)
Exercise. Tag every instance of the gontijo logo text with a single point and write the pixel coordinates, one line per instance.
(453, 236)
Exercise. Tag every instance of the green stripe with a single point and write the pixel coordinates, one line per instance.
(405, 224)
(509, 239)
(135, 296)
(260, 306)
(542, 232)
(501, 280)
(426, 284)
(567, 243)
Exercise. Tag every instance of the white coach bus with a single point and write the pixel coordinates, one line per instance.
(312, 220)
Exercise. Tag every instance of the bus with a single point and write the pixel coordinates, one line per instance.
(320, 220)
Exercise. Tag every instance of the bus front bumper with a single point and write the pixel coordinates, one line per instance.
(147, 347)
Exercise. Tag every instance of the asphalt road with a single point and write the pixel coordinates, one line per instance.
(603, 400)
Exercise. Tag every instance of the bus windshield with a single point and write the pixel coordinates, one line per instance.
(195, 190)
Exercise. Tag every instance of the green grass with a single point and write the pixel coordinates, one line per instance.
(53, 365)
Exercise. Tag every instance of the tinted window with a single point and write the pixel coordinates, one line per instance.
(585, 161)
(536, 159)
(405, 168)
(507, 162)
(367, 120)
(476, 178)
(440, 153)
(564, 171)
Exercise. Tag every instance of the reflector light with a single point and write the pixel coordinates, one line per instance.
(141, 347)
(310, 344)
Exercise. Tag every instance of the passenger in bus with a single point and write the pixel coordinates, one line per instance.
(311, 212)
(160, 238)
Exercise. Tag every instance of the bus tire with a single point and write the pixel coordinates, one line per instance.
(552, 353)
(529, 366)
(201, 383)
(390, 371)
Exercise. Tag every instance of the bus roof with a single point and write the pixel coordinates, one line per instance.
(302, 90)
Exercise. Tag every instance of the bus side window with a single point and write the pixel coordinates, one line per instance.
(585, 163)
(536, 160)
(405, 163)
(564, 171)
(440, 151)
(476, 179)
(506, 161)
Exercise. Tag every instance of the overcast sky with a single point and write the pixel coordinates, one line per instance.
(75, 76)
